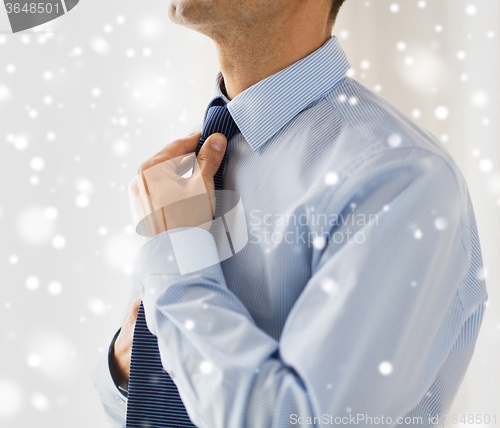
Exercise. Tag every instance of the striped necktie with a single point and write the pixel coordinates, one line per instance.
(153, 398)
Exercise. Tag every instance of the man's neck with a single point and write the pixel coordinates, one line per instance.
(244, 60)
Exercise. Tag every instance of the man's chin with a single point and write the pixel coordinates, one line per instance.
(185, 12)
(174, 10)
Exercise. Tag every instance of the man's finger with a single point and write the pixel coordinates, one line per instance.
(211, 155)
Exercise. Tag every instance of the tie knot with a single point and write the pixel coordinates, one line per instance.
(219, 120)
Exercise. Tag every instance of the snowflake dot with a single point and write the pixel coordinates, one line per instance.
(385, 368)
(206, 367)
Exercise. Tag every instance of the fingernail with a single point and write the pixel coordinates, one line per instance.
(218, 142)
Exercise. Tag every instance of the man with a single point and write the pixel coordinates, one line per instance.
(360, 293)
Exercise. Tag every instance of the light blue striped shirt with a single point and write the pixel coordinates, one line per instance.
(361, 290)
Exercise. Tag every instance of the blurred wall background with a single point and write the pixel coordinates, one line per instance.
(86, 98)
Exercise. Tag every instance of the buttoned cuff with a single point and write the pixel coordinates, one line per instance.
(177, 252)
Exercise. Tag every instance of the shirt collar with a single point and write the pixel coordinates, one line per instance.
(264, 108)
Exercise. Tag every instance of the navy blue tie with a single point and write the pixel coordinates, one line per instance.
(153, 398)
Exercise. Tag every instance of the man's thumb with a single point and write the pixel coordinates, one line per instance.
(211, 154)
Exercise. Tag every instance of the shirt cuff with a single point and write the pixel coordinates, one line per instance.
(178, 252)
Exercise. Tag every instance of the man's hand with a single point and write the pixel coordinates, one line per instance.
(209, 160)
(193, 209)
(123, 344)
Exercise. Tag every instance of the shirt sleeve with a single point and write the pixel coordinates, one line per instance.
(368, 334)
